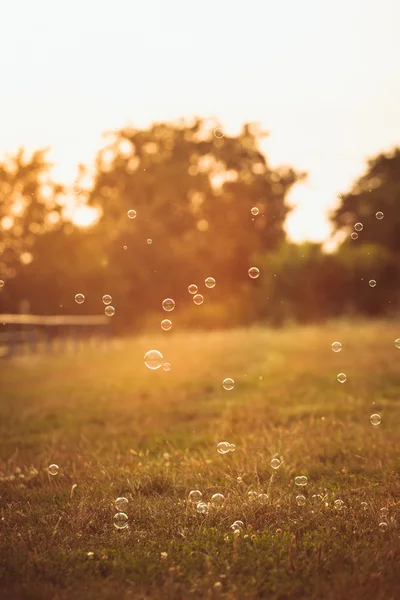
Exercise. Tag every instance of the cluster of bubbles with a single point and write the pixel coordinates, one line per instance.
(228, 384)
(195, 497)
(225, 447)
(254, 496)
(107, 299)
(121, 519)
(301, 480)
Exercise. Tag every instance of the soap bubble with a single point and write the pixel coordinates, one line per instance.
(168, 304)
(255, 211)
(384, 512)
(79, 298)
(379, 215)
(166, 324)
(131, 213)
(120, 520)
(397, 343)
(336, 346)
(354, 236)
(228, 384)
(53, 469)
(109, 310)
(193, 289)
(338, 504)
(275, 463)
(364, 505)
(195, 496)
(301, 500)
(149, 241)
(202, 508)
(1, 283)
(301, 480)
(166, 366)
(121, 504)
(210, 282)
(263, 498)
(198, 299)
(358, 226)
(372, 283)
(341, 377)
(375, 419)
(219, 133)
(153, 359)
(223, 447)
(252, 495)
(217, 500)
(237, 526)
(107, 299)
(239, 479)
(254, 272)
(232, 447)
(383, 526)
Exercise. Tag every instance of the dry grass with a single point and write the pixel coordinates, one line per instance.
(115, 428)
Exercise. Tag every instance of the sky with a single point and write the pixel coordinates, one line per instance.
(321, 76)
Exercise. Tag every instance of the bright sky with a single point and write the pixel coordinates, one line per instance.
(322, 76)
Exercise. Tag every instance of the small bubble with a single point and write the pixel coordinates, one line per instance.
(121, 504)
(223, 447)
(210, 282)
(228, 384)
(384, 512)
(153, 359)
(125, 247)
(338, 504)
(168, 304)
(131, 213)
(109, 310)
(275, 463)
(379, 215)
(53, 470)
(232, 447)
(375, 419)
(301, 500)
(252, 495)
(79, 298)
(107, 299)
(278, 532)
(149, 241)
(167, 366)
(358, 226)
(166, 324)
(253, 272)
(217, 500)
(383, 526)
(372, 283)
(239, 479)
(237, 526)
(364, 505)
(198, 299)
(341, 377)
(397, 343)
(354, 236)
(120, 520)
(301, 480)
(202, 508)
(195, 496)
(1, 283)
(193, 289)
(263, 498)
(255, 211)
(336, 346)
(219, 133)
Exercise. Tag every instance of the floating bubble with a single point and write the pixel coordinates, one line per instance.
(275, 463)
(301, 480)
(53, 469)
(252, 495)
(210, 282)
(253, 272)
(354, 236)
(168, 304)
(219, 133)
(125, 247)
(232, 447)
(255, 211)
(131, 213)
(263, 498)
(223, 447)
(153, 359)
(107, 299)
(341, 377)
(364, 505)
(301, 500)
(79, 298)
(397, 343)
(120, 520)
(278, 532)
(198, 299)
(338, 504)
(336, 346)
(358, 226)
(379, 215)
(237, 526)
(193, 289)
(372, 283)
(121, 504)
(217, 500)
(195, 496)
(149, 241)
(202, 508)
(166, 324)
(383, 526)
(1, 283)
(166, 366)
(109, 310)
(239, 479)
(375, 419)
(384, 512)
(228, 384)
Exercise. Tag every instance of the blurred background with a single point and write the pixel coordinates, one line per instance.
(192, 116)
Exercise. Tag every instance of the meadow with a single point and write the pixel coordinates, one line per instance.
(116, 428)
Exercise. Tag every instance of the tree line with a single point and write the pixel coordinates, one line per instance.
(191, 190)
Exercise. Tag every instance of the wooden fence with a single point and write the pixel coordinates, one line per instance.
(21, 334)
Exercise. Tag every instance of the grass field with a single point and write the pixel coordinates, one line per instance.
(116, 428)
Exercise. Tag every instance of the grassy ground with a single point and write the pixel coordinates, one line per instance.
(115, 428)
